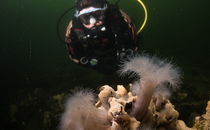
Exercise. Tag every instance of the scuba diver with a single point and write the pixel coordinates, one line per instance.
(100, 35)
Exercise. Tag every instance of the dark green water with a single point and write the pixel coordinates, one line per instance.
(35, 66)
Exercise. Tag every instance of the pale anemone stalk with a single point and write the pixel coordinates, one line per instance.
(152, 72)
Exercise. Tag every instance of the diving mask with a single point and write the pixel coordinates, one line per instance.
(91, 15)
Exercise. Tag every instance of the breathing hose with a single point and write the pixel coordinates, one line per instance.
(145, 19)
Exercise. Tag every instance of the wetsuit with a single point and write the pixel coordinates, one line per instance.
(101, 48)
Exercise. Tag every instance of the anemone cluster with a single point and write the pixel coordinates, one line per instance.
(144, 105)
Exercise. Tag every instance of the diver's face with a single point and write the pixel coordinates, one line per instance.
(89, 26)
(91, 17)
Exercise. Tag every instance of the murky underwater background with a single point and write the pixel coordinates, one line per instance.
(37, 74)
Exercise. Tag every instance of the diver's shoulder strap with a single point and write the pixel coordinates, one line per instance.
(78, 28)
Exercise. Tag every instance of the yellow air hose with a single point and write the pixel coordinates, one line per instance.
(145, 19)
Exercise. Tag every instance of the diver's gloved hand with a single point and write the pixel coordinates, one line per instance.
(126, 55)
(121, 56)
